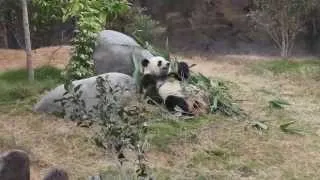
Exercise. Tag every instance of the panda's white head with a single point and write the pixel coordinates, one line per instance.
(157, 66)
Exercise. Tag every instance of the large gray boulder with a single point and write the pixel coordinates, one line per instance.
(48, 103)
(114, 51)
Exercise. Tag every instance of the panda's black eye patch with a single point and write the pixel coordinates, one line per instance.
(145, 62)
(159, 63)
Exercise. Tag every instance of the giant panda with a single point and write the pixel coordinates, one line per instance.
(154, 72)
(164, 88)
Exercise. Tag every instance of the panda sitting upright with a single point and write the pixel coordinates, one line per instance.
(164, 88)
(154, 71)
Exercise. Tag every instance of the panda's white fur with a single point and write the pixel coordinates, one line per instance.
(152, 70)
(172, 93)
(156, 65)
(164, 87)
(170, 87)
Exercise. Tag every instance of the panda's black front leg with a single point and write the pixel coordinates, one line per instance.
(140, 89)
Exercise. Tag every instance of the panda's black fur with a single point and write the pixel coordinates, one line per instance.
(183, 70)
(173, 97)
(149, 86)
(152, 83)
(153, 72)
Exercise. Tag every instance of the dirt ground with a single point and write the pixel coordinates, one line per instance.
(246, 154)
(56, 56)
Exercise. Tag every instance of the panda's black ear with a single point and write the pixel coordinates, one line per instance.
(145, 62)
(184, 70)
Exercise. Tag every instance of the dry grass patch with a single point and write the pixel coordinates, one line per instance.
(210, 148)
(228, 150)
(52, 142)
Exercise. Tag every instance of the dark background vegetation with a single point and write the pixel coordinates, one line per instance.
(213, 26)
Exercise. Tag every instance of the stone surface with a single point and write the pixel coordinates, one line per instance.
(56, 174)
(47, 103)
(114, 51)
(14, 165)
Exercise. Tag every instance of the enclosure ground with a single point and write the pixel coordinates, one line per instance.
(218, 148)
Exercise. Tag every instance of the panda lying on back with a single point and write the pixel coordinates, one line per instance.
(164, 89)
(172, 94)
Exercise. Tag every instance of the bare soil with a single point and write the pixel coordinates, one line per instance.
(56, 56)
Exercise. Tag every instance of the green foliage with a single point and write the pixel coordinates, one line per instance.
(157, 51)
(165, 132)
(285, 66)
(6, 7)
(15, 86)
(278, 103)
(298, 68)
(46, 13)
(20, 75)
(285, 128)
(208, 156)
(144, 28)
(91, 17)
(72, 99)
(120, 127)
(141, 26)
(220, 99)
(44, 17)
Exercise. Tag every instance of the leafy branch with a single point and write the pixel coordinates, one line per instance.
(91, 16)
(120, 127)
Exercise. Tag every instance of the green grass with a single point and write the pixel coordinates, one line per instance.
(283, 66)
(15, 86)
(164, 133)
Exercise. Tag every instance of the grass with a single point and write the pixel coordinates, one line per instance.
(304, 68)
(165, 133)
(212, 155)
(205, 148)
(15, 86)
(278, 103)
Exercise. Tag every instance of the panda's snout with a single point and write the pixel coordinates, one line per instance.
(166, 67)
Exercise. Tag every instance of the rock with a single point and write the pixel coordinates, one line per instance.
(47, 103)
(56, 174)
(14, 165)
(113, 53)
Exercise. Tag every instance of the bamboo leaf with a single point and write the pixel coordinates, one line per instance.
(259, 125)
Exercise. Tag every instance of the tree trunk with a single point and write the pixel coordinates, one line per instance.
(5, 36)
(284, 44)
(27, 39)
